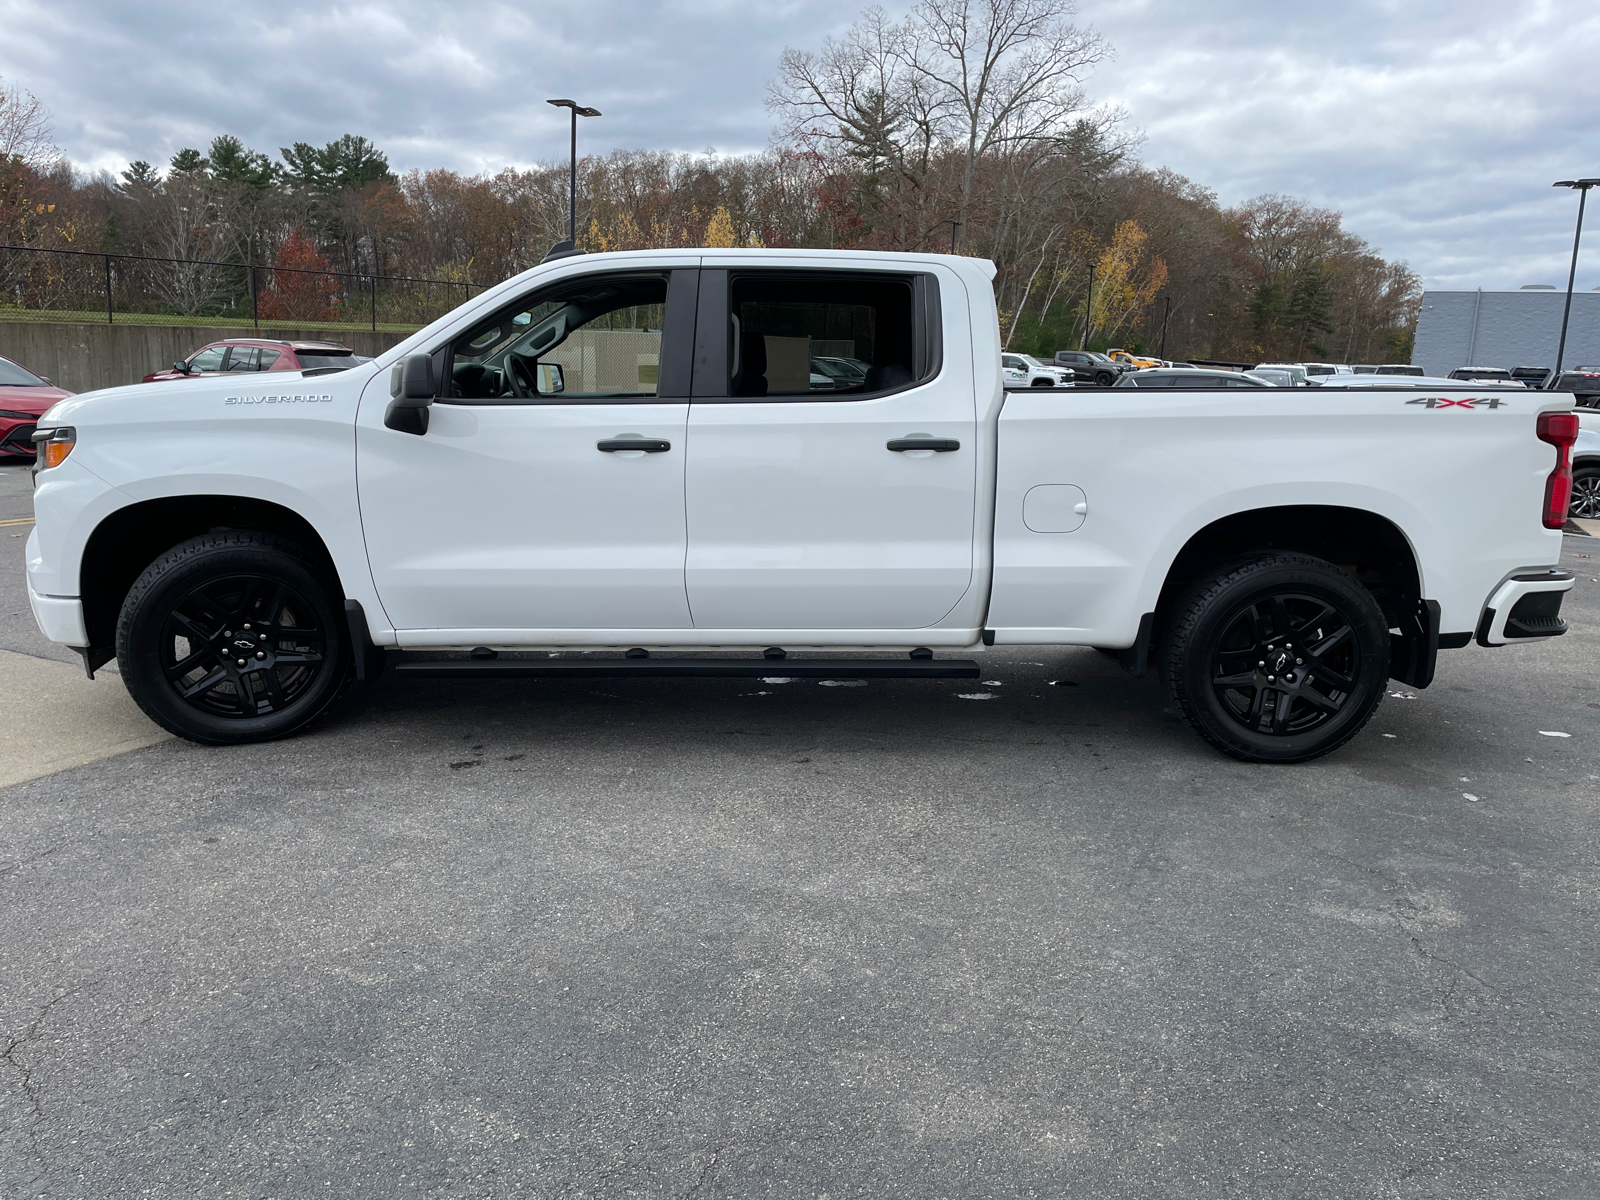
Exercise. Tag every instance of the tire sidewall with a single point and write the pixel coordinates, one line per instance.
(176, 575)
(1190, 663)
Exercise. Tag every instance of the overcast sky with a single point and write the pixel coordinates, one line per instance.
(1435, 127)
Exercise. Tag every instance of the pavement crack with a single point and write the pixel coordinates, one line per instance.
(12, 868)
(703, 1178)
(30, 1089)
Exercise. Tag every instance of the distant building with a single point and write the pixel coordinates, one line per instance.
(1504, 329)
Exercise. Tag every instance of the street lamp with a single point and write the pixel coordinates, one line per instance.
(577, 111)
(1581, 186)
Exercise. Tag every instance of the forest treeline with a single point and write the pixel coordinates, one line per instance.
(964, 116)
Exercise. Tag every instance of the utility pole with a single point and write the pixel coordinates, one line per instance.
(1088, 310)
(1581, 186)
(1165, 317)
(578, 110)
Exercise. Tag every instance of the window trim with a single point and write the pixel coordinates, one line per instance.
(673, 369)
(712, 352)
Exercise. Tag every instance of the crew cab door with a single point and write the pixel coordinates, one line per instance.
(547, 492)
(842, 509)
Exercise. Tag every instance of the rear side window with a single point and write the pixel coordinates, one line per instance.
(810, 335)
(268, 357)
(242, 358)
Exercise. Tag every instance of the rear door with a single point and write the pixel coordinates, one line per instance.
(849, 509)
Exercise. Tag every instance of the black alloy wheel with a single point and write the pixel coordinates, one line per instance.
(1105, 379)
(1585, 501)
(1281, 659)
(232, 638)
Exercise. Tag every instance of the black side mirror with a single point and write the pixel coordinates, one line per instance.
(412, 391)
(182, 368)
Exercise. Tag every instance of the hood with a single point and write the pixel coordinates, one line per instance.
(31, 400)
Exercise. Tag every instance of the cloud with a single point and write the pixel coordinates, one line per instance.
(1436, 127)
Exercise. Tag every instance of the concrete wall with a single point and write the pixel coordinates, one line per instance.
(1504, 329)
(83, 357)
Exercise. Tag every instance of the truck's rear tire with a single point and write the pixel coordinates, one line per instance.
(1279, 659)
(233, 637)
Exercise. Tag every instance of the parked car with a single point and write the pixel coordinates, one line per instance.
(1090, 366)
(1583, 383)
(1532, 377)
(1318, 369)
(1191, 377)
(1279, 558)
(1399, 369)
(248, 355)
(844, 372)
(1430, 382)
(24, 398)
(1295, 369)
(1139, 362)
(1023, 371)
(1585, 500)
(1484, 375)
(1278, 377)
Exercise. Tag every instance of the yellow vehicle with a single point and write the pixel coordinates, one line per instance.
(1133, 360)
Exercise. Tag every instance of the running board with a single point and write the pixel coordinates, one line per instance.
(702, 668)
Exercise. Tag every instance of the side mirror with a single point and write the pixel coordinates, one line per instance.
(551, 379)
(412, 391)
(182, 368)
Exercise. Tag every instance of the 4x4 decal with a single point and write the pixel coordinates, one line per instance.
(1447, 402)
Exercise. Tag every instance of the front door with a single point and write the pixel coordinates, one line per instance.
(547, 492)
(820, 501)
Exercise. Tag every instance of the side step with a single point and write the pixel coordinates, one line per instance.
(699, 668)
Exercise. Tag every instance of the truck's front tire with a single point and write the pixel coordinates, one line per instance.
(232, 637)
(1279, 659)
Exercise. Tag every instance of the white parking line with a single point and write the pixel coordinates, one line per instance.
(52, 718)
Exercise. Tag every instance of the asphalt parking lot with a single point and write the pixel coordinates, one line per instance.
(713, 938)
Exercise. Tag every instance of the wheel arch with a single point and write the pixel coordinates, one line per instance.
(1368, 545)
(128, 540)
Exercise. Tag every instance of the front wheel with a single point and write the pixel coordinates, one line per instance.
(1105, 379)
(1281, 659)
(231, 638)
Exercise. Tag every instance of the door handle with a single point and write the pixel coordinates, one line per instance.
(942, 445)
(648, 445)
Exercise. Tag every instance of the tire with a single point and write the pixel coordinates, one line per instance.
(1275, 709)
(1585, 493)
(1104, 379)
(215, 601)
(1041, 383)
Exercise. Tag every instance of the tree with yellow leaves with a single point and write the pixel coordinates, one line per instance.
(1124, 282)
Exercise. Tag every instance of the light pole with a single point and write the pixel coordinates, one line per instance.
(1581, 186)
(954, 225)
(1088, 310)
(1165, 317)
(572, 193)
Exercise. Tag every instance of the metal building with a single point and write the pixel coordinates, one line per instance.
(1504, 329)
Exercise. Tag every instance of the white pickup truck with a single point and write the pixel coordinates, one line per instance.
(631, 455)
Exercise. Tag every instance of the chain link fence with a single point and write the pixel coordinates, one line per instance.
(78, 285)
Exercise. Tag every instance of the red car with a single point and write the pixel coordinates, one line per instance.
(24, 398)
(257, 354)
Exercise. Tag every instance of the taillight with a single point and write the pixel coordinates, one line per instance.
(53, 445)
(1560, 429)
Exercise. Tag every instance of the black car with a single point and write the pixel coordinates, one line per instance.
(1583, 383)
(1532, 377)
(1399, 369)
(1089, 367)
(1481, 374)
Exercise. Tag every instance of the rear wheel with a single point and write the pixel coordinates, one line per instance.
(1281, 659)
(1585, 493)
(231, 638)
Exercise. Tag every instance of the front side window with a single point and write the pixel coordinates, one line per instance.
(794, 335)
(209, 359)
(1012, 362)
(593, 339)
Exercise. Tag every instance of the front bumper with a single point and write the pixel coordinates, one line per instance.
(1525, 608)
(60, 618)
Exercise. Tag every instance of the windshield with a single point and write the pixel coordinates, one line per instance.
(12, 375)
